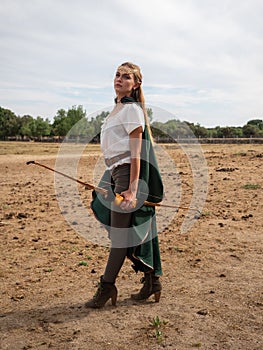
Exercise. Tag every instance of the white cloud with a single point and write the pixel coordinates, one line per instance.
(200, 59)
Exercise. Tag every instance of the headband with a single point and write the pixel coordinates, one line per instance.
(127, 70)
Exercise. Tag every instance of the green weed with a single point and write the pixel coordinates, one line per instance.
(251, 186)
(48, 270)
(178, 249)
(242, 154)
(157, 324)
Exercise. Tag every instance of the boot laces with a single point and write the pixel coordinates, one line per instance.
(99, 291)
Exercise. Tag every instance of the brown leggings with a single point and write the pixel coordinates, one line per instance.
(120, 222)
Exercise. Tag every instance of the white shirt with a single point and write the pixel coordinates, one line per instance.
(116, 129)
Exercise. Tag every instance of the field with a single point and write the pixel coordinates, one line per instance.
(213, 272)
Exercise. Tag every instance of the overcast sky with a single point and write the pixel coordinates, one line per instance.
(202, 60)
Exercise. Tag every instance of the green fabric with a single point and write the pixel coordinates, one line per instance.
(146, 256)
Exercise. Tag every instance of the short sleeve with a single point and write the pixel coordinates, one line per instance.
(132, 117)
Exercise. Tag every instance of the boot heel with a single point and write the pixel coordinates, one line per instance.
(157, 296)
(114, 299)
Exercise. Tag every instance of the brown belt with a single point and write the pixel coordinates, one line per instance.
(113, 160)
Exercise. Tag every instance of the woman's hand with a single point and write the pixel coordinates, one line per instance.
(129, 201)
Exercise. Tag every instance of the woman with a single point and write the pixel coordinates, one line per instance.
(133, 173)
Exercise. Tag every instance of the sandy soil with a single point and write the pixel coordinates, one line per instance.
(213, 273)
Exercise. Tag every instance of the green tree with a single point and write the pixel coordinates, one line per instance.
(256, 122)
(157, 130)
(42, 127)
(150, 114)
(238, 131)
(26, 123)
(218, 132)
(228, 132)
(251, 131)
(171, 128)
(212, 132)
(61, 124)
(9, 125)
(64, 121)
(75, 114)
(97, 121)
(198, 130)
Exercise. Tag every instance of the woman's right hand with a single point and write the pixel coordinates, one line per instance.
(129, 200)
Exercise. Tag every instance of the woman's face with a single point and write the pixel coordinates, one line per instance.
(124, 82)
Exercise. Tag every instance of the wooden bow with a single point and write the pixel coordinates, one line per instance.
(118, 198)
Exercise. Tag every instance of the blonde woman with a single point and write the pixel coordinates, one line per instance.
(132, 172)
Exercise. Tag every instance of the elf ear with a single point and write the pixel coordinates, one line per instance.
(136, 86)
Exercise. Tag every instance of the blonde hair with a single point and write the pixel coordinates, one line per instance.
(137, 94)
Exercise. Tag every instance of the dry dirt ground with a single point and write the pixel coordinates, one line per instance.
(213, 277)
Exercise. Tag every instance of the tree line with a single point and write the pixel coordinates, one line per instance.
(74, 122)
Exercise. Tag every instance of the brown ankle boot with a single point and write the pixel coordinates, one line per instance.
(105, 291)
(151, 285)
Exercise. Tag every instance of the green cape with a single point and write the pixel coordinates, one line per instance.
(145, 256)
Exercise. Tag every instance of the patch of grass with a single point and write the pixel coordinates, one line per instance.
(48, 270)
(242, 154)
(83, 263)
(206, 214)
(6, 206)
(157, 325)
(178, 249)
(251, 186)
